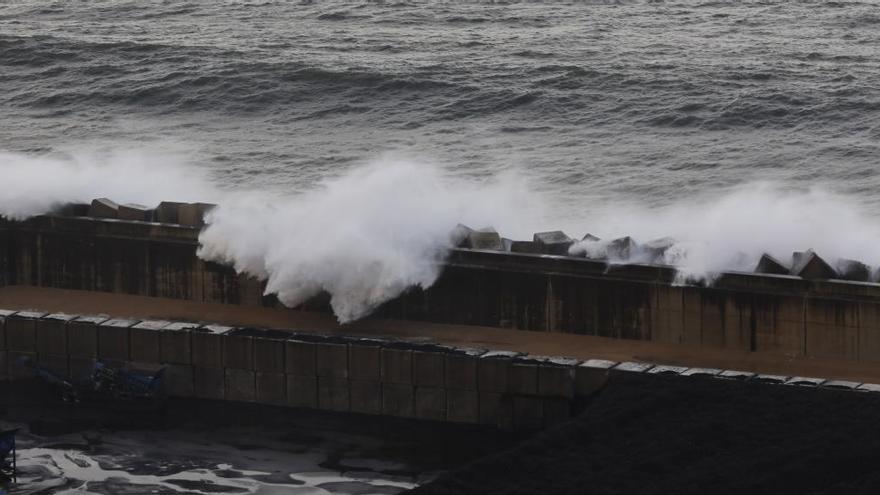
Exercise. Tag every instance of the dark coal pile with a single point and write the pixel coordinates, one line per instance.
(659, 435)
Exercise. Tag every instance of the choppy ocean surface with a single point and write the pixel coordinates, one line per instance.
(646, 100)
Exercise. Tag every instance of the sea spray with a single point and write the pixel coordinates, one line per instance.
(365, 237)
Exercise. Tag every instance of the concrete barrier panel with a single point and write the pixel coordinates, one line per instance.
(461, 368)
(4, 366)
(52, 334)
(462, 406)
(241, 385)
(17, 368)
(269, 351)
(556, 377)
(179, 380)
(21, 331)
(209, 383)
(300, 359)
(398, 400)
(430, 403)
(333, 394)
(496, 410)
(555, 411)
(331, 360)
(528, 413)
(145, 340)
(366, 396)
(591, 375)
(207, 345)
(522, 375)
(492, 371)
(397, 366)
(114, 339)
(271, 388)
(4, 314)
(302, 391)
(238, 349)
(82, 336)
(667, 370)
(175, 342)
(429, 367)
(365, 361)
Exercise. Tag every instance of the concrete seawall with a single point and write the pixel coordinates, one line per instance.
(781, 314)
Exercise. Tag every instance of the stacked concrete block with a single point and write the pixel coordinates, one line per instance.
(193, 214)
(554, 242)
(209, 378)
(114, 338)
(132, 212)
(103, 208)
(4, 353)
(52, 347)
(145, 341)
(398, 391)
(496, 408)
(301, 372)
(271, 384)
(461, 378)
(331, 368)
(485, 239)
(175, 353)
(591, 375)
(365, 376)
(82, 345)
(21, 341)
(238, 364)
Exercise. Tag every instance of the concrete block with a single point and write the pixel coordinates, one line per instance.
(621, 249)
(398, 400)
(166, 212)
(556, 411)
(18, 365)
(485, 239)
(554, 242)
(527, 247)
(869, 387)
(591, 375)
(302, 391)
(241, 385)
(80, 368)
(528, 413)
(82, 336)
(300, 359)
(365, 361)
(366, 396)
(522, 375)
(632, 367)
(4, 366)
(430, 403)
(556, 377)
(736, 375)
(175, 342)
(460, 235)
(701, 372)
(775, 379)
(207, 345)
(179, 380)
(331, 360)
(809, 265)
(397, 366)
(193, 214)
(461, 368)
(113, 339)
(4, 314)
(667, 370)
(238, 349)
(804, 381)
(492, 371)
(841, 384)
(271, 388)
(333, 394)
(145, 341)
(654, 251)
(52, 333)
(770, 265)
(133, 212)
(21, 331)
(209, 383)
(496, 410)
(103, 208)
(269, 351)
(429, 368)
(462, 406)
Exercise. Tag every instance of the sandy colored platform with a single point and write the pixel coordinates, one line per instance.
(541, 343)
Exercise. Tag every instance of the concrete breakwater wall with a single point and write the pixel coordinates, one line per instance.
(759, 312)
(285, 368)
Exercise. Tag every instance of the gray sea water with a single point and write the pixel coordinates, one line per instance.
(647, 100)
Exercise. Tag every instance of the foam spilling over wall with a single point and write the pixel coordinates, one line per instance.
(375, 231)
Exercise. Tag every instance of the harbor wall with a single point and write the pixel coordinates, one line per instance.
(743, 311)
